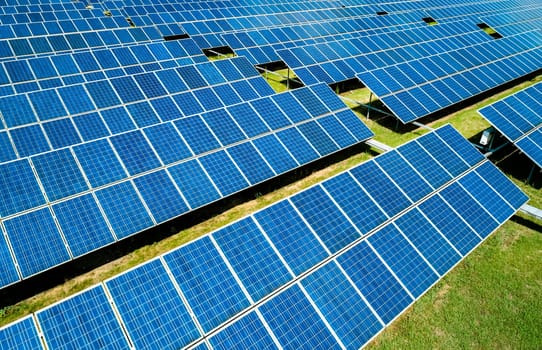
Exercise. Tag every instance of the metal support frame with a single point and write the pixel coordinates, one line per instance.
(370, 101)
(423, 126)
(531, 173)
(366, 106)
(287, 77)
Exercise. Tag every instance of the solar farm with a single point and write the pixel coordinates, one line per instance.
(331, 166)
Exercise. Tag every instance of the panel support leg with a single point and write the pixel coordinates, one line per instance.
(531, 173)
(369, 105)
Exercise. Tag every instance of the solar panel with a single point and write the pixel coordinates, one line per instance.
(22, 334)
(518, 118)
(310, 270)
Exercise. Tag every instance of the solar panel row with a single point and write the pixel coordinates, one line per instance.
(337, 61)
(519, 118)
(41, 73)
(37, 122)
(86, 196)
(454, 75)
(326, 268)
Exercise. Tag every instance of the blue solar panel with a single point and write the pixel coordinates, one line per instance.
(255, 262)
(22, 335)
(47, 104)
(487, 197)
(430, 242)
(295, 323)
(414, 186)
(194, 184)
(350, 197)
(250, 162)
(90, 126)
(298, 145)
(86, 321)
(160, 195)
(450, 224)
(403, 260)
(6, 149)
(76, 99)
(318, 138)
(331, 292)
(82, 224)
(118, 120)
(61, 133)
(7, 264)
(167, 142)
(497, 180)
(99, 162)
(426, 165)
(124, 209)
(469, 209)
(152, 301)
(223, 127)
(291, 236)
(135, 152)
(223, 172)
(36, 229)
(270, 113)
(448, 159)
(386, 194)
(143, 114)
(197, 134)
(237, 336)
(20, 188)
(276, 155)
(375, 281)
(337, 131)
(518, 118)
(59, 174)
(325, 218)
(210, 289)
(29, 140)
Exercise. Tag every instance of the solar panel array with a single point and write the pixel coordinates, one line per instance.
(328, 267)
(519, 118)
(88, 164)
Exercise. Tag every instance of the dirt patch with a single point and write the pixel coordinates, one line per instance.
(441, 296)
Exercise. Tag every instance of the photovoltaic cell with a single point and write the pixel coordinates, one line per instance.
(195, 185)
(252, 257)
(357, 205)
(82, 224)
(59, 174)
(430, 242)
(20, 188)
(291, 236)
(36, 229)
(247, 332)
(325, 218)
(211, 290)
(275, 153)
(223, 172)
(135, 152)
(403, 259)
(375, 281)
(99, 162)
(124, 209)
(296, 324)
(85, 321)
(450, 224)
(160, 195)
(250, 162)
(331, 292)
(22, 335)
(146, 297)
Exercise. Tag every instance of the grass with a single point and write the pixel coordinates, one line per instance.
(490, 300)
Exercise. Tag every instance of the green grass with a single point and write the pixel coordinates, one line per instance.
(491, 300)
